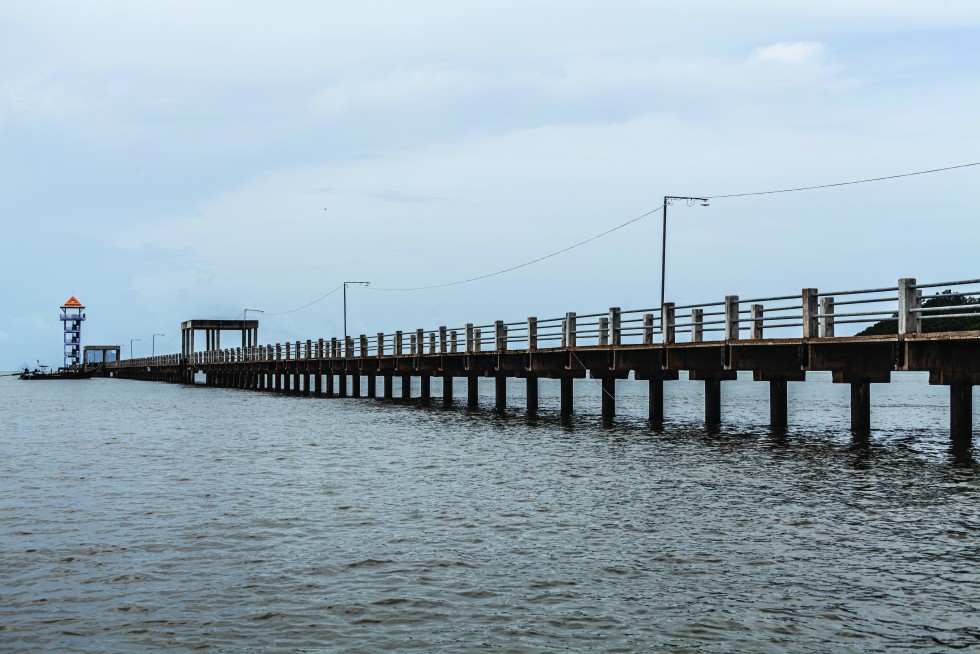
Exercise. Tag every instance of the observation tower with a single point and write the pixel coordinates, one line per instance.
(72, 317)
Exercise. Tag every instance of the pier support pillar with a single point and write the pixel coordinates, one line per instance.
(276, 382)
(447, 390)
(355, 384)
(372, 386)
(318, 384)
(712, 403)
(657, 403)
(608, 398)
(307, 378)
(961, 413)
(500, 393)
(342, 378)
(472, 392)
(567, 384)
(861, 407)
(406, 387)
(387, 387)
(330, 384)
(425, 381)
(777, 405)
(532, 394)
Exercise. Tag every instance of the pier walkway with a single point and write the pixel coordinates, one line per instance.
(779, 339)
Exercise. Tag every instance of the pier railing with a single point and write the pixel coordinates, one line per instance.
(810, 313)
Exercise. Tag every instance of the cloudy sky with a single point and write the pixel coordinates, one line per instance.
(173, 160)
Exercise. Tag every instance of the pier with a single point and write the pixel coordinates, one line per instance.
(779, 339)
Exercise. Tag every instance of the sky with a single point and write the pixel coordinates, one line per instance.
(166, 161)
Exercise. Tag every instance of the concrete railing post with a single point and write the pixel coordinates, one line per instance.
(364, 345)
(319, 348)
(419, 342)
(604, 331)
(570, 340)
(908, 300)
(648, 329)
(477, 340)
(432, 343)
(615, 326)
(500, 335)
(349, 347)
(442, 339)
(413, 344)
(697, 325)
(452, 341)
(333, 348)
(381, 344)
(398, 343)
(827, 317)
(288, 346)
(532, 333)
(755, 327)
(811, 310)
(670, 322)
(731, 318)
(469, 337)
(278, 352)
(309, 349)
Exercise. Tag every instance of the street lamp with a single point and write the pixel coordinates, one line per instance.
(253, 311)
(153, 351)
(131, 341)
(345, 303)
(668, 200)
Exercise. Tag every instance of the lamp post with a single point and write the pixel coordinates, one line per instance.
(345, 303)
(153, 351)
(668, 200)
(131, 341)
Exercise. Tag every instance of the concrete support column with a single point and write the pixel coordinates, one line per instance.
(532, 394)
(712, 403)
(355, 384)
(342, 378)
(329, 383)
(657, 402)
(961, 413)
(567, 399)
(296, 383)
(500, 393)
(425, 381)
(387, 387)
(307, 378)
(777, 405)
(608, 398)
(406, 387)
(447, 390)
(861, 407)
(372, 386)
(318, 383)
(472, 392)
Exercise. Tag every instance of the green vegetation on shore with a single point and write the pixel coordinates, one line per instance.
(944, 299)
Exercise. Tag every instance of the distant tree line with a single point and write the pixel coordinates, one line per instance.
(944, 299)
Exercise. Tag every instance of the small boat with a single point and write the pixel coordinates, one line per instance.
(42, 372)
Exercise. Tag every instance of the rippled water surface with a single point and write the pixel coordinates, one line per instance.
(145, 516)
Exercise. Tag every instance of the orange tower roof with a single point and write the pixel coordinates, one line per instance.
(72, 303)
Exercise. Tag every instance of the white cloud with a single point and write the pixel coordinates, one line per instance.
(799, 52)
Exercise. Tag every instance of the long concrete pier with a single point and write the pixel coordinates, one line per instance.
(597, 346)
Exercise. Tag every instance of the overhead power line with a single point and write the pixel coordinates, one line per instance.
(857, 181)
(626, 224)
